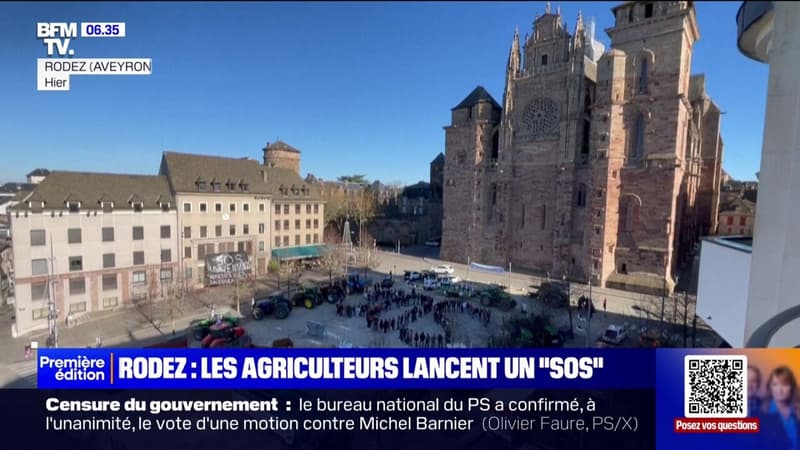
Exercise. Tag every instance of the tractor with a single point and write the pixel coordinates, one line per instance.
(200, 328)
(332, 293)
(275, 304)
(498, 298)
(223, 334)
(308, 297)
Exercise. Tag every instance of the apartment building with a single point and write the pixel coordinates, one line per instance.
(236, 205)
(101, 240)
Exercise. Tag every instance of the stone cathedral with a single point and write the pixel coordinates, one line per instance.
(601, 165)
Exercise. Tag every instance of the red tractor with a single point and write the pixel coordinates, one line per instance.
(224, 335)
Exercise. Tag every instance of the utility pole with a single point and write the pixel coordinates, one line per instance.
(52, 313)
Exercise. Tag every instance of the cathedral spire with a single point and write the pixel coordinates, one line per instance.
(547, 8)
(512, 72)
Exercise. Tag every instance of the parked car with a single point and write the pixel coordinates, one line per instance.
(447, 280)
(387, 282)
(442, 269)
(433, 242)
(614, 334)
(412, 276)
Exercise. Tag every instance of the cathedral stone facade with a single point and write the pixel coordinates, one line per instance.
(601, 165)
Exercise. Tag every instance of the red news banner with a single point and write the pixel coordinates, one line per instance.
(719, 425)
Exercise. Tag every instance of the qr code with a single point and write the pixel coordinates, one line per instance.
(715, 386)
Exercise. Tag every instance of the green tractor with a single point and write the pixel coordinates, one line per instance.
(498, 298)
(200, 328)
(309, 298)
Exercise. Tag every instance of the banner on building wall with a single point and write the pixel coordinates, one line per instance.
(227, 268)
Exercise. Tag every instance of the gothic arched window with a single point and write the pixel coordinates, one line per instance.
(581, 198)
(643, 69)
(495, 145)
(637, 146)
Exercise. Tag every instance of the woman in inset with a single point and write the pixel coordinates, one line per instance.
(780, 422)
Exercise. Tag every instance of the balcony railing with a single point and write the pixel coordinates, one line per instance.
(754, 29)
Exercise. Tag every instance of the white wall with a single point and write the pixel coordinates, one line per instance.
(776, 245)
(722, 290)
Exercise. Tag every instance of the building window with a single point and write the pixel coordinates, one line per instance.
(39, 291)
(742, 220)
(110, 282)
(316, 238)
(308, 224)
(201, 252)
(187, 252)
(730, 220)
(286, 225)
(296, 239)
(138, 258)
(75, 263)
(165, 231)
(37, 237)
(40, 313)
(286, 241)
(544, 217)
(216, 186)
(648, 10)
(187, 232)
(308, 208)
(261, 228)
(218, 231)
(201, 185)
(297, 224)
(203, 207)
(203, 231)
(277, 225)
(308, 239)
(277, 241)
(77, 286)
(166, 275)
(297, 208)
(544, 60)
(245, 207)
(137, 206)
(108, 234)
(109, 260)
(246, 229)
(74, 235)
(581, 201)
(286, 208)
(139, 277)
(277, 208)
(74, 207)
(628, 213)
(166, 255)
(217, 207)
(187, 207)
(637, 149)
(138, 233)
(630, 14)
(261, 246)
(240, 246)
(110, 302)
(741, 230)
(643, 69)
(316, 208)
(316, 224)
(232, 230)
(77, 307)
(232, 207)
(261, 207)
(39, 267)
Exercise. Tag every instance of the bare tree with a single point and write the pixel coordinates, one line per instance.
(333, 260)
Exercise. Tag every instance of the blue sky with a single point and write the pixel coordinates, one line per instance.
(358, 87)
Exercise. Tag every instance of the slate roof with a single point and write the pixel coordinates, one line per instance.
(439, 159)
(91, 188)
(478, 95)
(185, 171)
(39, 173)
(280, 145)
(14, 187)
(739, 205)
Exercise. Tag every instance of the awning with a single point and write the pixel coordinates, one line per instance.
(290, 253)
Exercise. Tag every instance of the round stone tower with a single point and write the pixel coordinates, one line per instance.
(283, 155)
